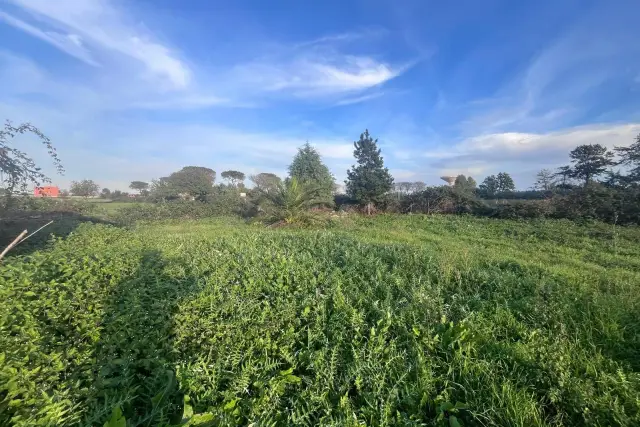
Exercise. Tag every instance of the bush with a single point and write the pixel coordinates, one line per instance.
(175, 210)
(441, 200)
(292, 202)
(523, 209)
(20, 205)
(343, 202)
(599, 202)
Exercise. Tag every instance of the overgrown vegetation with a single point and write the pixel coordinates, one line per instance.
(404, 320)
(17, 168)
(389, 320)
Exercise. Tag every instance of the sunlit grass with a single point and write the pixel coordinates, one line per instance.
(389, 320)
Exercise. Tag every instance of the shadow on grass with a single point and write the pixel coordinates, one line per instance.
(135, 357)
(13, 223)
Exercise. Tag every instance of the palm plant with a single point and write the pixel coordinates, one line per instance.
(290, 202)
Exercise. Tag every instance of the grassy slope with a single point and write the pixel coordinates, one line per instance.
(380, 320)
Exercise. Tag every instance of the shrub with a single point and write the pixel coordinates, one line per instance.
(47, 204)
(175, 210)
(290, 202)
(523, 209)
(599, 202)
(441, 200)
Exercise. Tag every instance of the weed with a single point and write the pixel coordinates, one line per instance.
(403, 321)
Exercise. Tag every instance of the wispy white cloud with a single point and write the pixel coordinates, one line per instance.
(186, 102)
(68, 43)
(522, 154)
(359, 99)
(565, 80)
(346, 37)
(102, 32)
(329, 66)
(99, 24)
(317, 75)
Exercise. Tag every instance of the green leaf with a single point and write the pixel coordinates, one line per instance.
(187, 412)
(453, 421)
(117, 419)
(201, 420)
(446, 406)
(230, 405)
(292, 379)
(460, 405)
(160, 397)
(287, 372)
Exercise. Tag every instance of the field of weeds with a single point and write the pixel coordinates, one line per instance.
(383, 321)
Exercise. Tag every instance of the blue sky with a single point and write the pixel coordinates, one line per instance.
(133, 90)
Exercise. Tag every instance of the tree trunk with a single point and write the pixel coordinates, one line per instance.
(368, 208)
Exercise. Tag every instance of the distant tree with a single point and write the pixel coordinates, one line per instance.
(192, 181)
(308, 169)
(105, 193)
(505, 183)
(369, 181)
(418, 186)
(461, 181)
(84, 188)
(490, 185)
(235, 178)
(564, 173)
(160, 189)
(403, 187)
(545, 180)
(618, 179)
(265, 182)
(464, 185)
(630, 157)
(589, 162)
(17, 169)
(119, 195)
(140, 186)
(64, 193)
(471, 183)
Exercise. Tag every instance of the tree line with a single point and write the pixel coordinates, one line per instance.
(599, 182)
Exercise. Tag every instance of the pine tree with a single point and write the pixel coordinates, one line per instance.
(369, 181)
(630, 157)
(235, 178)
(308, 169)
(545, 180)
(564, 173)
(590, 161)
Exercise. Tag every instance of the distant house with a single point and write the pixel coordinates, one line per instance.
(48, 191)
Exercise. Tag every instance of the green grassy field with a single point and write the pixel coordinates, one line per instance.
(403, 321)
(111, 207)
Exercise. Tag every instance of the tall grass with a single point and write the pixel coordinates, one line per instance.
(380, 321)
